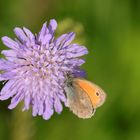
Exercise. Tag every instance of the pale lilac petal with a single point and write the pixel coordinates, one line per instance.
(75, 62)
(7, 76)
(79, 73)
(8, 94)
(48, 111)
(6, 65)
(57, 105)
(7, 86)
(42, 32)
(35, 109)
(9, 89)
(59, 40)
(46, 39)
(9, 53)
(75, 48)
(16, 99)
(68, 39)
(9, 42)
(41, 108)
(61, 96)
(20, 34)
(29, 35)
(27, 101)
(78, 54)
(52, 26)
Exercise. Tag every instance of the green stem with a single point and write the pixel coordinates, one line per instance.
(22, 127)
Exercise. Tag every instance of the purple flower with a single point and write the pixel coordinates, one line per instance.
(35, 68)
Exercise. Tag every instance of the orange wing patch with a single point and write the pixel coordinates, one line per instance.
(90, 89)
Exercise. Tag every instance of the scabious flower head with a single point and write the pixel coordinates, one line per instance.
(35, 68)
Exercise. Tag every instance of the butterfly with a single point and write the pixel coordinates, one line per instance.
(83, 97)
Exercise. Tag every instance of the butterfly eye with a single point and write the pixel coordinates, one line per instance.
(97, 93)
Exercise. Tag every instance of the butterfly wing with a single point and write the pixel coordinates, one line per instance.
(95, 93)
(78, 101)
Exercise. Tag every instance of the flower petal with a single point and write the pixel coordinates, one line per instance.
(27, 101)
(52, 26)
(9, 42)
(48, 110)
(59, 40)
(7, 76)
(57, 105)
(42, 32)
(68, 39)
(16, 99)
(20, 34)
(29, 35)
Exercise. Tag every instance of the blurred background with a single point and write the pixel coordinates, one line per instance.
(111, 31)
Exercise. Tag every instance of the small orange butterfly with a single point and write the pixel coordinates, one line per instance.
(83, 97)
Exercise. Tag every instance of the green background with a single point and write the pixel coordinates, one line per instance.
(110, 29)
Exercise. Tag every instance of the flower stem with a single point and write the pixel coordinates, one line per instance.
(21, 125)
